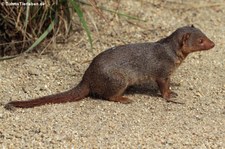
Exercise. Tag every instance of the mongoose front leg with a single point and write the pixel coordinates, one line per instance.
(164, 87)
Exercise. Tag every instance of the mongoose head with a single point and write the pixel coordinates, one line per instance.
(192, 39)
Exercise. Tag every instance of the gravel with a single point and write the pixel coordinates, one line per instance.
(148, 122)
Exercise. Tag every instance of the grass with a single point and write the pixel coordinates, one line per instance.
(24, 28)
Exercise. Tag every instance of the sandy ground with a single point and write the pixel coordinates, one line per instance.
(148, 122)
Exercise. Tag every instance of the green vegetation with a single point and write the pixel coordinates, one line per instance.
(24, 27)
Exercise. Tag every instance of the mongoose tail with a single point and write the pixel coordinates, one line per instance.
(77, 93)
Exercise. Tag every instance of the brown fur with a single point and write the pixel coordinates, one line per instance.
(117, 68)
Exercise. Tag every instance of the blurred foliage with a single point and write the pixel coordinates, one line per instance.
(23, 27)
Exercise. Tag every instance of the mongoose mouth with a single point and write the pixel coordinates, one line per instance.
(209, 45)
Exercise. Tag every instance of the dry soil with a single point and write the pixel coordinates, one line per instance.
(148, 122)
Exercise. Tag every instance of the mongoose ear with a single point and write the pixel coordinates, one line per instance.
(192, 25)
(185, 37)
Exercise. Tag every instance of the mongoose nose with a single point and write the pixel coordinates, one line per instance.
(212, 44)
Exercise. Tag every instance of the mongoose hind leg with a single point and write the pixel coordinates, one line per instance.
(115, 93)
(116, 87)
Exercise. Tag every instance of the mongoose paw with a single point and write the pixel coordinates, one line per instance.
(173, 94)
(173, 101)
(121, 99)
(126, 101)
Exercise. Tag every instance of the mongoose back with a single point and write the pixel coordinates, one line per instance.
(112, 71)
